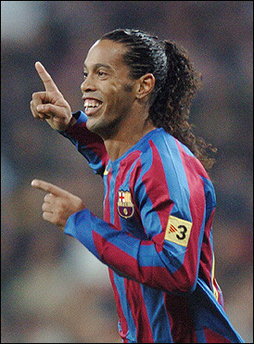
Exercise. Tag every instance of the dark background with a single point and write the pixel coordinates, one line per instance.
(53, 289)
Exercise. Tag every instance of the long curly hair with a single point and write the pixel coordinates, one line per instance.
(176, 83)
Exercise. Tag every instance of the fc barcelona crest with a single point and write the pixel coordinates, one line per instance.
(124, 204)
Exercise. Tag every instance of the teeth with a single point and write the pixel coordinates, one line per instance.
(91, 103)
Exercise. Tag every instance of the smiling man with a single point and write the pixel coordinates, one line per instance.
(159, 202)
(114, 102)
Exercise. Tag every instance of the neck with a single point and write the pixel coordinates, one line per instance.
(125, 139)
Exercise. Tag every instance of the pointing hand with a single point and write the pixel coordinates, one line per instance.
(50, 104)
(58, 204)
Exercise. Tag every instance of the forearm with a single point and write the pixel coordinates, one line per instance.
(141, 260)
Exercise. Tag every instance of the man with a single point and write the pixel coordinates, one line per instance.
(156, 235)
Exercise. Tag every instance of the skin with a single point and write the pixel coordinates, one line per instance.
(124, 99)
(123, 106)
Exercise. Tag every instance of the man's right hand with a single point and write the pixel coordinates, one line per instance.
(50, 105)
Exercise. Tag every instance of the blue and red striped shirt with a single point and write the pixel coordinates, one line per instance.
(156, 238)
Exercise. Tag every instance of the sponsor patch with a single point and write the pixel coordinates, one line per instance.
(124, 204)
(178, 231)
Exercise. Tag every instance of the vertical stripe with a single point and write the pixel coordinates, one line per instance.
(112, 196)
(122, 171)
(201, 336)
(159, 197)
(106, 202)
(155, 203)
(215, 291)
(176, 179)
(180, 317)
(129, 327)
(206, 255)
(213, 282)
(123, 322)
(138, 311)
(157, 314)
(193, 171)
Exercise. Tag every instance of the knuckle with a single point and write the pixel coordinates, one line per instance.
(57, 202)
(35, 95)
(44, 207)
(56, 219)
(43, 108)
(44, 215)
(40, 107)
(32, 105)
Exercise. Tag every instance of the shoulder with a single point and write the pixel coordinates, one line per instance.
(159, 158)
(165, 159)
(165, 148)
(161, 147)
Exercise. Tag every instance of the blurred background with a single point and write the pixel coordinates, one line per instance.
(53, 290)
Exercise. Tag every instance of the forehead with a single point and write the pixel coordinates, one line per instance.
(106, 52)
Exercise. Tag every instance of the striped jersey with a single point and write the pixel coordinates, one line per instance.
(156, 238)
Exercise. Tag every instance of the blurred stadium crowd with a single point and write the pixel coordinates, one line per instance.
(53, 290)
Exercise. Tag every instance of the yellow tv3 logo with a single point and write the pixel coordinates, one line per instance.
(178, 231)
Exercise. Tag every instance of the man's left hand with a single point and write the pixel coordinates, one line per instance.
(58, 204)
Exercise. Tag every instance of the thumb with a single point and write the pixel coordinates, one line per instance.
(50, 110)
(48, 187)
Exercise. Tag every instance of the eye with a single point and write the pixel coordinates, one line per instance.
(101, 74)
(85, 75)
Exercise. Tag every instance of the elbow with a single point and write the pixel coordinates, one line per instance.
(181, 281)
(186, 280)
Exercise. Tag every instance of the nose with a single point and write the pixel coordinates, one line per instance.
(87, 85)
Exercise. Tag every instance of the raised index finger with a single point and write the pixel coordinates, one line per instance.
(48, 82)
(48, 187)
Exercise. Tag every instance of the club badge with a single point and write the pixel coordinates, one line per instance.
(124, 204)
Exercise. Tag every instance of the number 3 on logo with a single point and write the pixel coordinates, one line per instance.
(178, 231)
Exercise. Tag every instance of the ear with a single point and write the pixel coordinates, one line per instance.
(146, 85)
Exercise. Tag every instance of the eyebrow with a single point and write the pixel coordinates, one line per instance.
(99, 65)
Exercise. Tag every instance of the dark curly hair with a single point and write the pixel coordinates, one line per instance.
(176, 82)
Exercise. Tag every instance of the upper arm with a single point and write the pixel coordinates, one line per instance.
(172, 206)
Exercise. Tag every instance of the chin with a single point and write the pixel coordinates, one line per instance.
(91, 126)
(95, 126)
(102, 127)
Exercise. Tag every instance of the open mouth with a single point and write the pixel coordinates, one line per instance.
(91, 106)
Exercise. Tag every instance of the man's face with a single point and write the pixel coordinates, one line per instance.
(107, 89)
